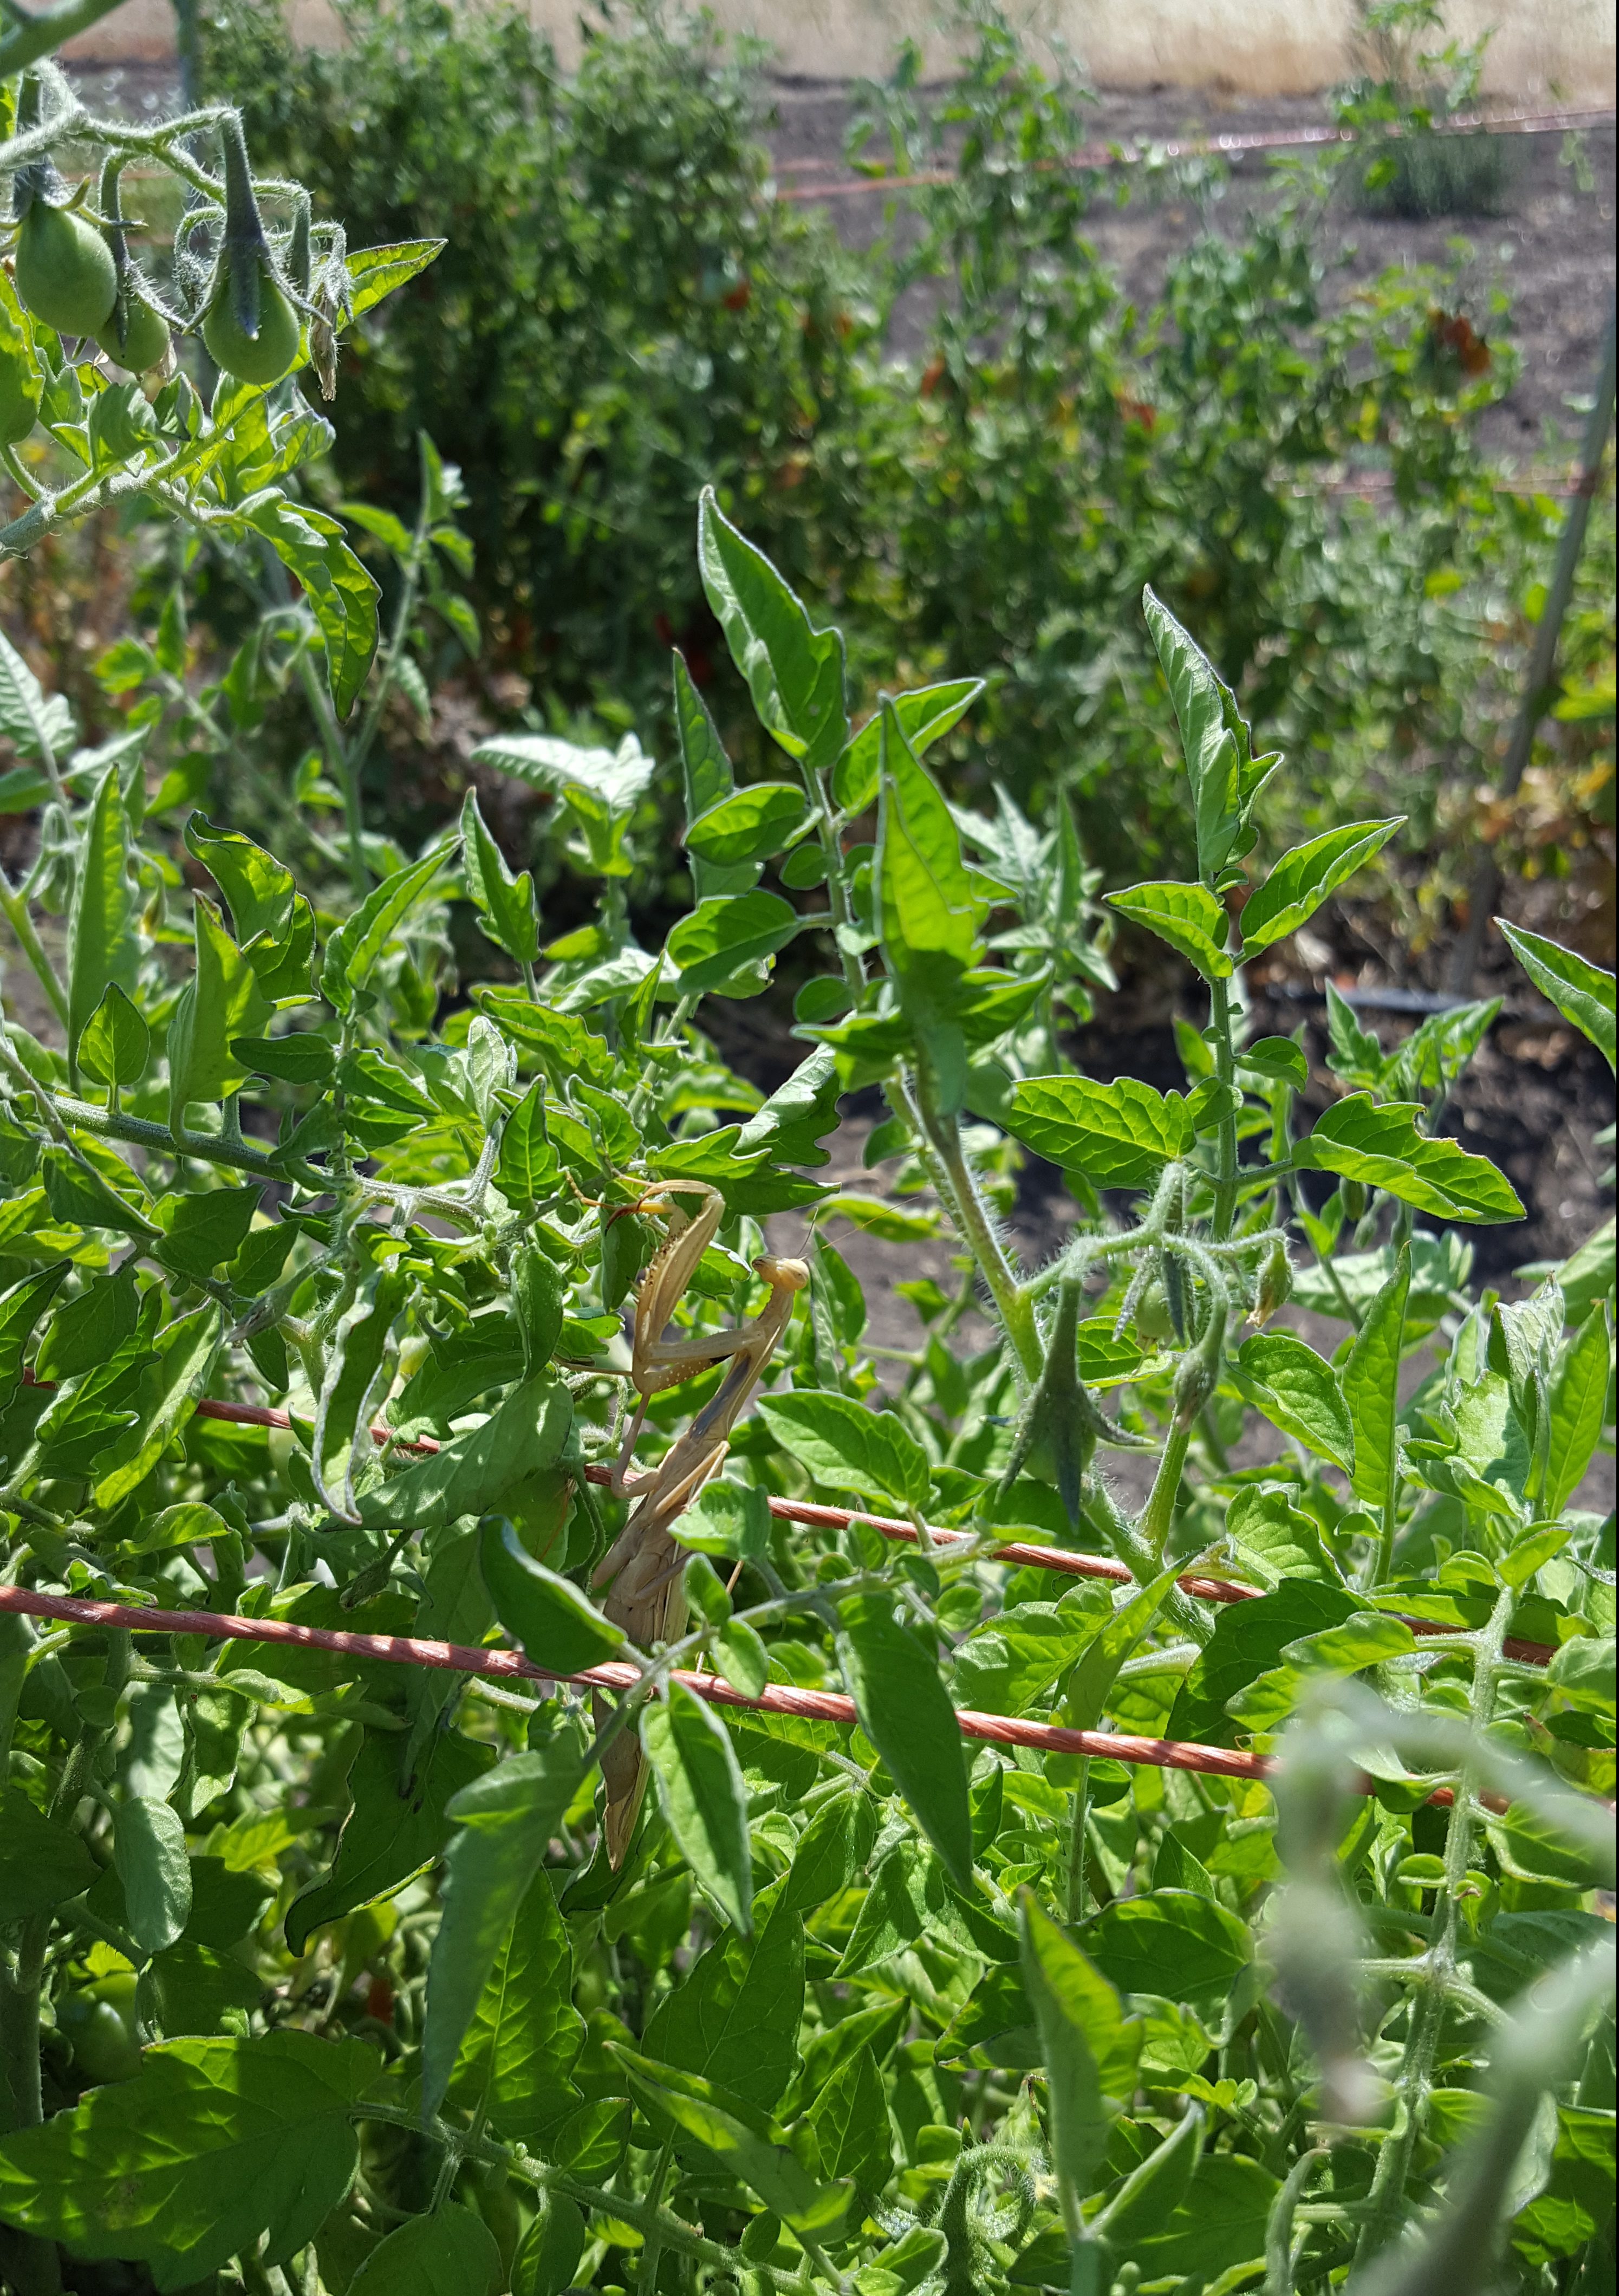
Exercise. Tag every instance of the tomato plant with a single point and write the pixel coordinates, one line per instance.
(268, 299)
(1113, 1805)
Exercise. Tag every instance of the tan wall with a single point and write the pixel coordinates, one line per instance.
(1558, 50)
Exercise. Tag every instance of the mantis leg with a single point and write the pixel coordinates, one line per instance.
(642, 1569)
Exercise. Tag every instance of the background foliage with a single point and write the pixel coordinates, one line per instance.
(619, 326)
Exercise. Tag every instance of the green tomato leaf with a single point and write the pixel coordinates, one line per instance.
(725, 935)
(1271, 1541)
(357, 1368)
(927, 916)
(905, 1711)
(1120, 1632)
(170, 1390)
(304, 1058)
(1089, 2049)
(202, 1231)
(1217, 2227)
(192, 1986)
(708, 781)
(832, 1851)
(1011, 1662)
(261, 889)
(214, 2145)
(1383, 1147)
(1224, 774)
(1299, 1392)
(727, 1518)
(699, 1783)
(1582, 993)
(1248, 1641)
(558, 1625)
(474, 1470)
(526, 2033)
(742, 1657)
(749, 824)
(548, 2255)
(847, 1448)
(1580, 1389)
(506, 908)
(794, 671)
(1119, 1135)
(1188, 917)
(103, 946)
(21, 1309)
(42, 1862)
(1304, 878)
(450, 2253)
(340, 593)
(847, 2130)
(1174, 1942)
(222, 1001)
(374, 272)
(924, 716)
(527, 1166)
(1372, 1392)
(736, 2017)
(396, 1825)
(1277, 1059)
(116, 1043)
(508, 1818)
(149, 1854)
(359, 942)
(741, 2140)
(31, 720)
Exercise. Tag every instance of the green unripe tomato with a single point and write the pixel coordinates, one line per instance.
(1152, 1315)
(103, 2047)
(262, 358)
(65, 272)
(19, 396)
(145, 342)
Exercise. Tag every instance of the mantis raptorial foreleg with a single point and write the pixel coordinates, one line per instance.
(642, 1567)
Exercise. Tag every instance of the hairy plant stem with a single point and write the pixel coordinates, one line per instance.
(1158, 1513)
(1076, 1905)
(1279, 2231)
(16, 910)
(649, 2216)
(972, 1219)
(344, 768)
(1438, 1980)
(1225, 1139)
(1388, 1507)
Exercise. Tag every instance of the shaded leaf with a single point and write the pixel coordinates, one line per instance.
(905, 1711)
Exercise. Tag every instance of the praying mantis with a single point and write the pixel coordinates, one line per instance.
(642, 1567)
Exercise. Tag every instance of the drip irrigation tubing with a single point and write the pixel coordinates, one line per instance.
(1071, 1562)
(512, 1666)
(1200, 147)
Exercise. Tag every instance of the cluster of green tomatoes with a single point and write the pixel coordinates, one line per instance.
(71, 272)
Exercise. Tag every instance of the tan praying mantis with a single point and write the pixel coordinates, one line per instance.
(642, 1567)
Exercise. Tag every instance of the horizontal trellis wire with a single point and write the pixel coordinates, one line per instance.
(512, 1666)
(1072, 1562)
(1200, 147)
